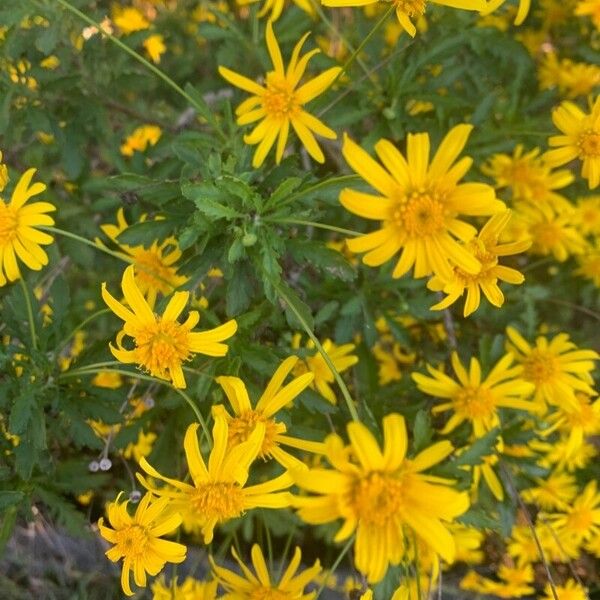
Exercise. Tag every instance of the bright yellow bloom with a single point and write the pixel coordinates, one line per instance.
(571, 78)
(140, 139)
(409, 10)
(279, 103)
(108, 379)
(137, 540)
(553, 492)
(514, 582)
(522, 12)
(587, 215)
(589, 264)
(390, 355)
(273, 399)
(556, 367)
(274, 8)
(486, 249)
(162, 344)
(4, 178)
(571, 590)
(557, 454)
(218, 493)
(468, 543)
(190, 589)
(129, 19)
(589, 8)
(473, 399)
(382, 495)
(580, 139)
(259, 586)
(142, 447)
(155, 270)
(155, 47)
(340, 356)
(19, 236)
(521, 545)
(419, 204)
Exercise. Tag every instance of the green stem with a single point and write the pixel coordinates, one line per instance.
(286, 549)
(326, 358)
(92, 370)
(87, 242)
(318, 186)
(202, 110)
(317, 225)
(32, 332)
(81, 326)
(335, 565)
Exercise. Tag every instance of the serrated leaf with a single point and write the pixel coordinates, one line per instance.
(210, 200)
(322, 258)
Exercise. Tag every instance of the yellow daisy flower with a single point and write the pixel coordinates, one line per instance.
(137, 540)
(557, 454)
(162, 344)
(580, 139)
(273, 399)
(279, 103)
(252, 586)
(556, 367)
(487, 250)
(218, 493)
(474, 399)
(129, 19)
(155, 270)
(155, 47)
(571, 78)
(382, 495)
(587, 215)
(142, 447)
(190, 589)
(589, 264)
(419, 204)
(340, 356)
(140, 139)
(19, 236)
(589, 8)
(408, 11)
(571, 590)
(553, 492)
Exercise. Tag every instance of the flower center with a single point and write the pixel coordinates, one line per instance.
(475, 402)
(420, 213)
(242, 426)
(279, 99)
(263, 593)
(378, 497)
(540, 367)
(589, 144)
(162, 345)
(488, 261)
(580, 520)
(132, 541)
(412, 8)
(220, 501)
(547, 235)
(8, 223)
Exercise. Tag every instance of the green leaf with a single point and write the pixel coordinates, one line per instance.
(322, 258)
(423, 431)
(481, 448)
(10, 498)
(210, 200)
(147, 232)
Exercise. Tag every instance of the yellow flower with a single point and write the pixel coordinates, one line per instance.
(554, 492)
(589, 8)
(522, 12)
(589, 264)
(587, 215)
(514, 582)
(141, 448)
(580, 139)
(155, 47)
(522, 547)
(279, 103)
(19, 236)
(419, 204)
(258, 585)
(571, 78)
(473, 399)
(108, 379)
(409, 10)
(129, 19)
(340, 356)
(272, 400)
(50, 62)
(4, 178)
(557, 454)
(556, 367)
(571, 590)
(190, 589)
(390, 355)
(162, 344)
(155, 270)
(468, 543)
(382, 495)
(140, 139)
(218, 493)
(486, 249)
(137, 540)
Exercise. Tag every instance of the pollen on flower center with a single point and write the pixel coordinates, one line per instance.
(8, 223)
(132, 541)
(378, 497)
(279, 99)
(161, 345)
(589, 144)
(412, 8)
(540, 367)
(475, 402)
(241, 426)
(263, 593)
(220, 501)
(420, 214)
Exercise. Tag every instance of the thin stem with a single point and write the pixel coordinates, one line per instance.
(87, 242)
(32, 332)
(286, 549)
(81, 325)
(317, 225)
(326, 358)
(201, 109)
(335, 565)
(317, 186)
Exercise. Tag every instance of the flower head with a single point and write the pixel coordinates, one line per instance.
(419, 204)
(259, 585)
(140, 139)
(589, 8)
(382, 495)
(273, 399)
(190, 589)
(19, 236)
(137, 539)
(218, 492)
(580, 139)
(279, 103)
(161, 343)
